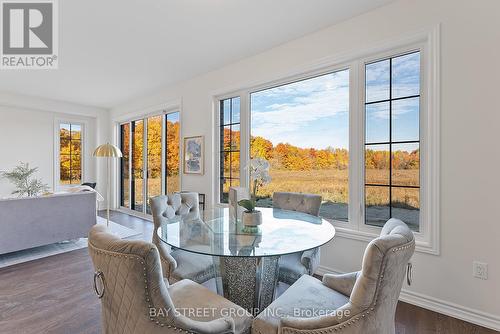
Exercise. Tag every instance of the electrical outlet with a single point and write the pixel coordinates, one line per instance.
(480, 270)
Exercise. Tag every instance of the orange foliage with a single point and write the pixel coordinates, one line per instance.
(400, 159)
(173, 141)
(154, 147)
(289, 157)
(231, 143)
(261, 147)
(70, 156)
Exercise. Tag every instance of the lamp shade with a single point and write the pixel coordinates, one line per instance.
(108, 150)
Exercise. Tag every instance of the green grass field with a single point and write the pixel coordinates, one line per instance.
(333, 185)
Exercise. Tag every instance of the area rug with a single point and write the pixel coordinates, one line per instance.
(10, 259)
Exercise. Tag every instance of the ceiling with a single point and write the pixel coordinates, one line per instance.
(115, 50)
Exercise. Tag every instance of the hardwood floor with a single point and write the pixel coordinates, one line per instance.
(49, 295)
(55, 295)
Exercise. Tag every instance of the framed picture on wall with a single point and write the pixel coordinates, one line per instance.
(194, 155)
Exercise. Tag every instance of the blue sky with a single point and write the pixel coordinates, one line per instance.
(74, 127)
(315, 112)
(173, 117)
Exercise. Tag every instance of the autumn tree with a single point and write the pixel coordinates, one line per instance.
(173, 141)
(154, 147)
(231, 148)
(261, 148)
(70, 150)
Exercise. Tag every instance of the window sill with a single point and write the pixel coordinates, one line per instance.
(422, 246)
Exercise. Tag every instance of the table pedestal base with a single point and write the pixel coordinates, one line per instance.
(249, 282)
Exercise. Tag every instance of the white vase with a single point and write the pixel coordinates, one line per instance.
(253, 218)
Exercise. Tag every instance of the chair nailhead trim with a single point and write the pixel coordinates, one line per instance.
(341, 326)
(142, 262)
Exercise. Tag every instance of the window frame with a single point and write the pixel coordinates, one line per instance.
(395, 52)
(427, 239)
(391, 185)
(427, 42)
(216, 143)
(163, 112)
(220, 151)
(57, 154)
(245, 121)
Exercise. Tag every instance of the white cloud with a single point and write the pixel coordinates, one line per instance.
(305, 102)
(399, 107)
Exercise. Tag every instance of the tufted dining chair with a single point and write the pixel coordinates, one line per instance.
(292, 266)
(362, 302)
(178, 264)
(135, 298)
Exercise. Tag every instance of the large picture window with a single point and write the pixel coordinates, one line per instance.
(302, 129)
(70, 153)
(392, 140)
(363, 134)
(150, 164)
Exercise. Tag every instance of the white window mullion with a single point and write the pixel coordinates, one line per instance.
(130, 154)
(356, 138)
(361, 143)
(144, 165)
(163, 153)
(245, 133)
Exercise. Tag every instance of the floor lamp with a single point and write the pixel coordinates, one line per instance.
(108, 151)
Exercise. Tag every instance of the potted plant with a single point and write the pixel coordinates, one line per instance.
(22, 177)
(259, 176)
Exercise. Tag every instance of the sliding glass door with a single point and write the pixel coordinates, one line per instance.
(154, 158)
(172, 145)
(150, 164)
(125, 165)
(137, 166)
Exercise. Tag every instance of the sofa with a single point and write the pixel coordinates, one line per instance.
(37, 221)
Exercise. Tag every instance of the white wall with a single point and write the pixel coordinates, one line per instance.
(27, 127)
(470, 118)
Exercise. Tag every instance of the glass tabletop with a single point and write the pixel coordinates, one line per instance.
(216, 233)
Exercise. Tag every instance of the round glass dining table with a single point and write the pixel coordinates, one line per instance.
(247, 264)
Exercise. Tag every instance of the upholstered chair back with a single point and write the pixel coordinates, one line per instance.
(307, 203)
(136, 299)
(130, 279)
(176, 204)
(167, 207)
(380, 280)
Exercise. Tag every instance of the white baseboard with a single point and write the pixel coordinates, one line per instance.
(437, 305)
(325, 270)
